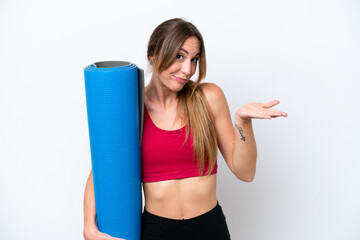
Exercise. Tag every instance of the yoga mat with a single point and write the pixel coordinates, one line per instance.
(115, 106)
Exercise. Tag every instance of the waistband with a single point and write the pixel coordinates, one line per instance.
(213, 212)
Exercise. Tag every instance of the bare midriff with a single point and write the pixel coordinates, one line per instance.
(181, 198)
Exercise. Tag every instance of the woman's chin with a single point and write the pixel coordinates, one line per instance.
(178, 87)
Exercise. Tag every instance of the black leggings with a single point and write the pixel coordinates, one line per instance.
(210, 226)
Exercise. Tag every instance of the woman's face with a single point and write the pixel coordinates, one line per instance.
(184, 66)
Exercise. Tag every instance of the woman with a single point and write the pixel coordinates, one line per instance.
(185, 122)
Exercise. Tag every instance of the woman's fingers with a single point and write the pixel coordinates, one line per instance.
(268, 114)
(275, 114)
(259, 110)
(104, 236)
(95, 234)
(270, 104)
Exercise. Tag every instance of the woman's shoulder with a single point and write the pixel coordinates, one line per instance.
(215, 97)
(213, 93)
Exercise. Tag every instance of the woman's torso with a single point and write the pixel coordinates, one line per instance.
(179, 198)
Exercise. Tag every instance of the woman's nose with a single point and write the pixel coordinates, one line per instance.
(186, 67)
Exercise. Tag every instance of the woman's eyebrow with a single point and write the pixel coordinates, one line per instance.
(188, 52)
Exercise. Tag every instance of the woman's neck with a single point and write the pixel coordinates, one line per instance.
(159, 94)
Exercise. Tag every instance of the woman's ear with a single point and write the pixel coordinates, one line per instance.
(152, 59)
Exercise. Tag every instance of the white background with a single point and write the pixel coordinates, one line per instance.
(304, 53)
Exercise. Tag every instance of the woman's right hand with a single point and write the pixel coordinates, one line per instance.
(94, 234)
(91, 231)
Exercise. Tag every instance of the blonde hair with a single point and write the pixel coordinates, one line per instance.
(164, 44)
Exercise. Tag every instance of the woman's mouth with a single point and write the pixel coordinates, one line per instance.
(180, 80)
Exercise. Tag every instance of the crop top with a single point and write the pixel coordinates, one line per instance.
(164, 157)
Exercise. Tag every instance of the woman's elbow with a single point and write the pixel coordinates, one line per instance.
(247, 177)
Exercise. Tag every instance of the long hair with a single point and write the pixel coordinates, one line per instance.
(164, 44)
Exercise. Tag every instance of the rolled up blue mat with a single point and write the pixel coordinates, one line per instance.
(114, 99)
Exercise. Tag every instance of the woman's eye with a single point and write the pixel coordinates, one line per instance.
(179, 56)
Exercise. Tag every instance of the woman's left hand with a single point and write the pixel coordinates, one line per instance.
(259, 110)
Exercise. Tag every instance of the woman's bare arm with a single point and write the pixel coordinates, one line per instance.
(89, 204)
(90, 226)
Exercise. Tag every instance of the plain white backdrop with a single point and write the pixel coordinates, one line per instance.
(304, 53)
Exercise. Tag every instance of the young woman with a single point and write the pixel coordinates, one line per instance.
(185, 122)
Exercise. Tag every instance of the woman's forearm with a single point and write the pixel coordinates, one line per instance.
(245, 152)
(89, 203)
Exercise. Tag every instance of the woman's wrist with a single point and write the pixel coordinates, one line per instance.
(90, 225)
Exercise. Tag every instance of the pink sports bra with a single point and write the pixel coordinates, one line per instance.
(164, 157)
